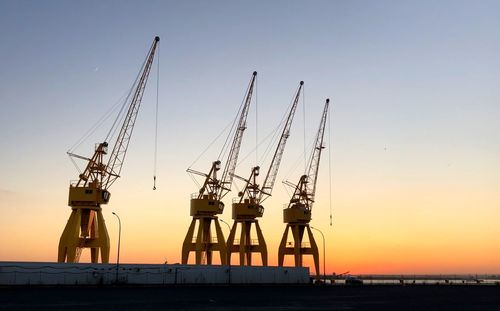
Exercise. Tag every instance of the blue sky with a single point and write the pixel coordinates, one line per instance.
(414, 86)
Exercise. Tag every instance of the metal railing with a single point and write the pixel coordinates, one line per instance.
(252, 242)
(212, 239)
(302, 245)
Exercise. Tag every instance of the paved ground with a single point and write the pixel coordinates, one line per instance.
(370, 297)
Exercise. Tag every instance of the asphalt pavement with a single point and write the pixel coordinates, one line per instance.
(300, 297)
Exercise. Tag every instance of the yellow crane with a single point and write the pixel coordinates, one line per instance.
(86, 227)
(247, 208)
(298, 213)
(207, 202)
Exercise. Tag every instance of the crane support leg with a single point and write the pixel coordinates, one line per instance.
(221, 242)
(70, 238)
(247, 246)
(262, 247)
(84, 229)
(199, 247)
(188, 241)
(202, 244)
(282, 248)
(298, 234)
(230, 244)
(313, 250)
(242, 245)
(207, 239)
(299, 249)
(102, 241)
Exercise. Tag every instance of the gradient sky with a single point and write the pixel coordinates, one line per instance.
(414, 139)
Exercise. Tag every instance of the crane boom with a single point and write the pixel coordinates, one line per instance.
(306, 188)
(207, 203)
(278, 154)
(228, 173)
(248, 208)
(312, 173)
(115, 162)
(86, 227)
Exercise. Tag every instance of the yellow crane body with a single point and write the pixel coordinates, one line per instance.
(244, 216)
(298, 213)
(204, 211)
(87, 196)
(297, 218)
(86, 227)
(206, 206)
(247, 208)
(298, 248)
(207, 203)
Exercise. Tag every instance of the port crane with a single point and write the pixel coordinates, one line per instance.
(297, 215)
(86, 227)
(247, 207)
(207, 202)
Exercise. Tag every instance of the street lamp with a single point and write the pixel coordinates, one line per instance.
(119, 236)
(228, 226)
(324, 252)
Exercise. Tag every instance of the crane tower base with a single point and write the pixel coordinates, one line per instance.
(202, 244)
(247, 246)
(298, 249)
(85, 229)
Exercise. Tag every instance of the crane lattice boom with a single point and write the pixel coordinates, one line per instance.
(232, 159)
(268, 185)
(86, 227)
(306, 188)
(115, 162)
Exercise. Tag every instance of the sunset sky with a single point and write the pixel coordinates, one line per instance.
(413, 143)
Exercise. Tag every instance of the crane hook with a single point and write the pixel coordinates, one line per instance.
(154, 182)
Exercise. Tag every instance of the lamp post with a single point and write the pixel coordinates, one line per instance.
(119, 237)
(228, 226)
(324, 252)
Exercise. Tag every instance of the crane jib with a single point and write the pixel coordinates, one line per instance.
(306, 188)
(118, 154)
(275, 163)
(228, 173)
(85, 227)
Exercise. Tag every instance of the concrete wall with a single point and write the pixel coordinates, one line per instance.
(39, 273)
